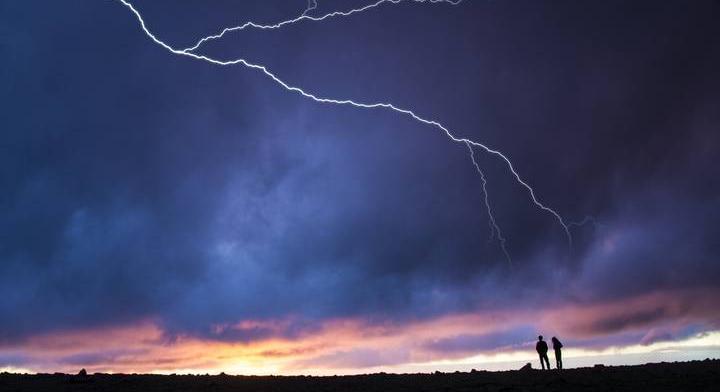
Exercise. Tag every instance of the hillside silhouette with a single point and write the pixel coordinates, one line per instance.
(680, 376)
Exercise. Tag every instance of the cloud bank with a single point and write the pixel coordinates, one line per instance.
(143, 192)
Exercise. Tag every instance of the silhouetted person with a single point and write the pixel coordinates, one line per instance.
(542, 348)
(558, 354)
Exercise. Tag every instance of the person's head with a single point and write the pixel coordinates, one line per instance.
(540, 337)
(554, 339)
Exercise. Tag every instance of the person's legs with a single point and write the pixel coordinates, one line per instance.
(542, 364)
(544, 357)
(558, 358)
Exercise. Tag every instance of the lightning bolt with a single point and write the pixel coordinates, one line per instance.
(312, 4)
(494, 227)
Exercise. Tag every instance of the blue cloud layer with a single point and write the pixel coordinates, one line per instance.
(137, 184)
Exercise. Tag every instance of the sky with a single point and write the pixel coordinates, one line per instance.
(163, 213)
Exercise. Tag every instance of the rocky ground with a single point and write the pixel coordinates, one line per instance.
(685, 376)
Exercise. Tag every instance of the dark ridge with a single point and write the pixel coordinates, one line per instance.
(658, 377)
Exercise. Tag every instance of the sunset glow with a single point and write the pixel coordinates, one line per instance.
(485, 340)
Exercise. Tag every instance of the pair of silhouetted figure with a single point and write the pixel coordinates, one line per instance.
(542, 348)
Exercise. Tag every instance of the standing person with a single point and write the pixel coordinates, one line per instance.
(542, 348)
(558, 354)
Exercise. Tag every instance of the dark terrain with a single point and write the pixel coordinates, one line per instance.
(683, 376)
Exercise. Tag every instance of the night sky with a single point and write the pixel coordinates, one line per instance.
(160, 213)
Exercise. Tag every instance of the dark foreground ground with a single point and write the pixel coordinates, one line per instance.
(685, 376)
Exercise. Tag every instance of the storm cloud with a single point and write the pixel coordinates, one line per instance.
(138, 185)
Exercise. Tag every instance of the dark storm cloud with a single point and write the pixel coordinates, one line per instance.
(469, 344)
(615, 324)
(14, 360)
(107, 357)
(93, 232)
(657, 336)
(138, 185)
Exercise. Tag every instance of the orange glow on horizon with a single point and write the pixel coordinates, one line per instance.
(342, 346)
